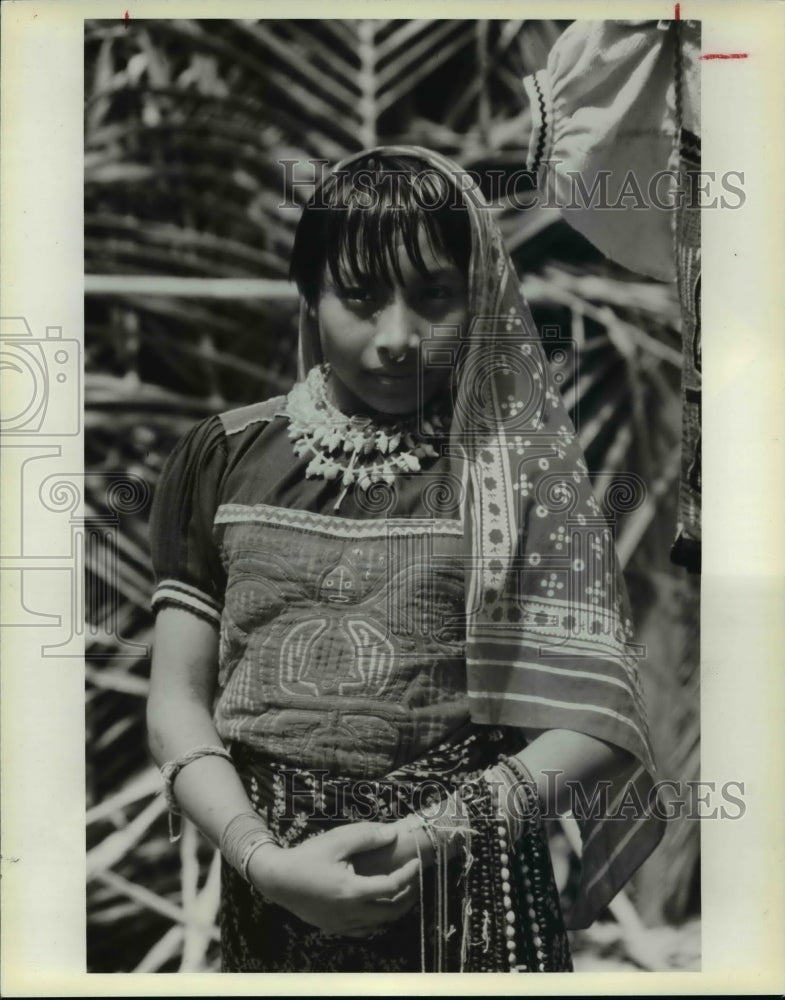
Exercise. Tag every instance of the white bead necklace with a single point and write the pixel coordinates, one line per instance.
(338, 442)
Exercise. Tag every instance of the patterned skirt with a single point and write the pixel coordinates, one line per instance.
(493, 909)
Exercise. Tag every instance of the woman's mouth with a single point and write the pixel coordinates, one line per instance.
(393, 378)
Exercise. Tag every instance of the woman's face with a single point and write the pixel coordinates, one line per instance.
(371, 333)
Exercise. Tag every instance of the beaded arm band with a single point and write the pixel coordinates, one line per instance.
(169, 772)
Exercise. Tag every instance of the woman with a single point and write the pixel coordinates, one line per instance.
(379, 575)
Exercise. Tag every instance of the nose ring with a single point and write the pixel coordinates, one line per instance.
(398, 359)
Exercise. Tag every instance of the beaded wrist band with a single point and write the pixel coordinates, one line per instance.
(516, 793)
(522, 772)
(242, 836)
(505, 796)
(525, 788)
(169, 772)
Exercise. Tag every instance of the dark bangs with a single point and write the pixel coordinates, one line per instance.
(358, 219)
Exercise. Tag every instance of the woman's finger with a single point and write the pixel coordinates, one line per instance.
(407, 892)
(372, 915)
(371, 887)
(384, 911)
(355, 838)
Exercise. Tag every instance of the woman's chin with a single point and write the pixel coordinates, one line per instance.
(387, 397)
(384, 400)
(390, 398)
(388, 411)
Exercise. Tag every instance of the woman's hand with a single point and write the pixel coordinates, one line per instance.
(412, 842)
(402, 850)
(318, 883)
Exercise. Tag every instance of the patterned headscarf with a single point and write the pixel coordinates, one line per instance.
(548, 633)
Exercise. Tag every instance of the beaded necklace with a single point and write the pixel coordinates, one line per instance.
(356, 449)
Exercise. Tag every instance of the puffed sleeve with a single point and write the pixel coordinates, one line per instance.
(186, 561)
(604, 121)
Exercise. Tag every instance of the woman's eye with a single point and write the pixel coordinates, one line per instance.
(357, 294)
(436, 293)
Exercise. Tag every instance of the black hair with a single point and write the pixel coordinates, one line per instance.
(358, 216)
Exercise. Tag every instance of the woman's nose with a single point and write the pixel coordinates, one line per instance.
(396, 329)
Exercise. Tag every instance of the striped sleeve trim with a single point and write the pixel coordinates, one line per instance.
(633, 829)
(613, 849)
(552, 637)
(182, 595)
(615, 844)
(639, 840)
(638, 778)
(576, 675)
(579, 684)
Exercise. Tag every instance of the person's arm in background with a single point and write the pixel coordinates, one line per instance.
(313, 880)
